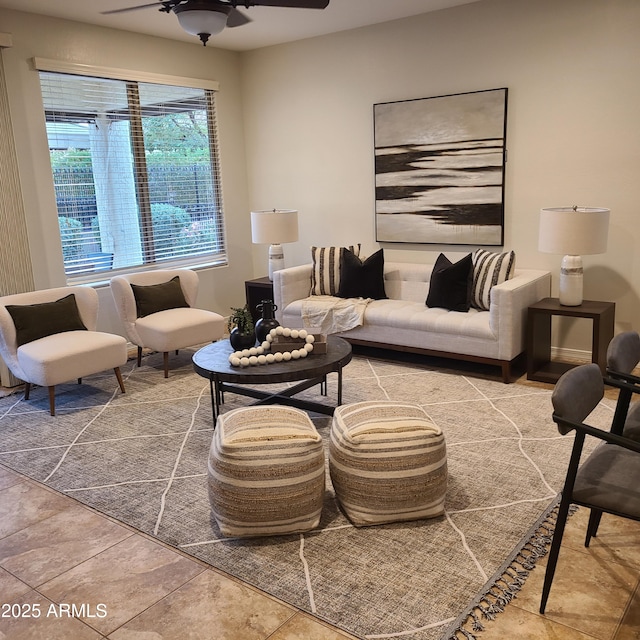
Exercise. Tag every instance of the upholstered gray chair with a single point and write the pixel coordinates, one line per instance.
(623, 356)
(157, 310)
(48, 337)
(607, 481)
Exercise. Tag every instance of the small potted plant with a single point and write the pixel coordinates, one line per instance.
(242, 334)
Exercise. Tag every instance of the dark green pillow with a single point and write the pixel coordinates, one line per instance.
(34, 321)
(158, 297)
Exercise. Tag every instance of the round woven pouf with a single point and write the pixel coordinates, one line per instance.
(388, 462)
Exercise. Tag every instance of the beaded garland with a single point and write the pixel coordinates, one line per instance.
(257, 355)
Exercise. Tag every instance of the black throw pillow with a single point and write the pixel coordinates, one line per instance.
(451, 284)
(158, 297)
(35, 321)
(362, 279)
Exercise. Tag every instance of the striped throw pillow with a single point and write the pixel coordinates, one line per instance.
(266, 472)
(489, 269)
(388, 462)
(325, 276)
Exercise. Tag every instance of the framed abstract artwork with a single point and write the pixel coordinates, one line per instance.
(440, 168)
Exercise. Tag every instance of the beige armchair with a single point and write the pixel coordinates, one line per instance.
(48, 337)
(157, 310)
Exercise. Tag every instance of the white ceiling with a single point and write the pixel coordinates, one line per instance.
(270, 25)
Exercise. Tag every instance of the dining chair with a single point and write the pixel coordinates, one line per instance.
(607, 481)
(623, 356)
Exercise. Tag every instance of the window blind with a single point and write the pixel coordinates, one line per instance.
(136, 173)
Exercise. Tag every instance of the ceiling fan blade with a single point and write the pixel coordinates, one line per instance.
(237, 18)
(299, 4)
(140, 6)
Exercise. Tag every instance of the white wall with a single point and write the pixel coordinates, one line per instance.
(305, 113)
(39, 36)
(573, 134)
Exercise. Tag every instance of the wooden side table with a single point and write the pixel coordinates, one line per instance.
(540, 367)
(255, 292)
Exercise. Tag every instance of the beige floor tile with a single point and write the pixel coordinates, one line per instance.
(127, 578)
(52, 623)
(524, 625)
(26, 503)
(588, 593)
(618, 539)
(304, 626)
(46, 549)
(210, 606)
(630, 626)
(11, 587)
(8, 478)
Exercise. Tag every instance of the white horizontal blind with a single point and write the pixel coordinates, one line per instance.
(136, 172)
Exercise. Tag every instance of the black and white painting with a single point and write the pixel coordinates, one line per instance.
(439, 165)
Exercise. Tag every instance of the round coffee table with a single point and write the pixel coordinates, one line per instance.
(212, 362)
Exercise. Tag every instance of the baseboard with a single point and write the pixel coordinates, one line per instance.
(571, 355)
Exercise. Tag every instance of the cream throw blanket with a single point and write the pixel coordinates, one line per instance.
(329, 314)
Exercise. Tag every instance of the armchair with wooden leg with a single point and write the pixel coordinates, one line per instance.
(49, 337)
(607, 480)
(158, 312)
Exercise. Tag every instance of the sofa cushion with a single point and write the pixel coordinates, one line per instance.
(35, 321)
(158, 297)
(450, 285)
(489, 269)
(362, 279)
(325, 274)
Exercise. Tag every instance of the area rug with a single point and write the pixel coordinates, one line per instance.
(141, 457)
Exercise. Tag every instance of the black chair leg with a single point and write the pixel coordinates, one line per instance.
(27, 390)
(563, 512)
(139, 356)
(165, 358)
(592, 527)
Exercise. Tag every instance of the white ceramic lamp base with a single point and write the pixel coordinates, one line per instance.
(571, 281)
(276, 259)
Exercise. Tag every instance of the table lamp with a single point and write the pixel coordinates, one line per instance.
(274, 227)
(573, 231)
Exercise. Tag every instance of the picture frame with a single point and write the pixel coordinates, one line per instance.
(440, 169)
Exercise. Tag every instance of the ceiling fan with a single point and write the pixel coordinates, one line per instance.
(205, 18)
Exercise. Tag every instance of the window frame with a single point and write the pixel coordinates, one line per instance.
(210, 87)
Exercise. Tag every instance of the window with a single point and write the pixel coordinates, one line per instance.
(136, 175)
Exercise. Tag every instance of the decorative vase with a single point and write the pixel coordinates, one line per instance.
(242, 340)
(267, 321)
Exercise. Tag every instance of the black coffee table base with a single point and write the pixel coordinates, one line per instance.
(212, 362)
(284, 396)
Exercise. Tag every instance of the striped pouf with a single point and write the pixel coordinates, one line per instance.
(388, 463)
(266, 472)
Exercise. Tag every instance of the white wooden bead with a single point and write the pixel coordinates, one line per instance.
(286, 356)
(244, 362)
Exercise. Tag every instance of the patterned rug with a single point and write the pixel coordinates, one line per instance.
(141, 457)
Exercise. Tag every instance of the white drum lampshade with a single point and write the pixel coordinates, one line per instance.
(574, 232)
(274, 227)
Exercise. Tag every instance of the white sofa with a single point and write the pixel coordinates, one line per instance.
(403, 321)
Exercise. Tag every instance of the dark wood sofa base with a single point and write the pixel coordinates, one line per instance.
(505, 365)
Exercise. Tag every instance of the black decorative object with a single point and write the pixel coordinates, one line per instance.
(242, 334)
(268, 321)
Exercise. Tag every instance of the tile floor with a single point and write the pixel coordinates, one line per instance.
(55, 552)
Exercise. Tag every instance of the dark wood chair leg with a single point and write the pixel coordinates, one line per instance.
(52, 400)
(120, 380)
(79, 380)
(165, 357)
(139, 356)
(27, 390)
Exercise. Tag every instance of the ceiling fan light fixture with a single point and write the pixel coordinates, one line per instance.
(201, 22)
